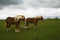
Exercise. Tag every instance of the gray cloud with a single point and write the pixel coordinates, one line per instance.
(10, 2)
(33, 3)
(45, 3)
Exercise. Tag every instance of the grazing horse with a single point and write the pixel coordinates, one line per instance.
(11, 20)
(33, 20)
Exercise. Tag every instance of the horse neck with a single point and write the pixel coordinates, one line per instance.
(18, 21)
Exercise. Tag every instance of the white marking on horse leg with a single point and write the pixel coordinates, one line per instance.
(25, 24)
(7, 30)
(26, 27)
(17, 30)
(34, 27)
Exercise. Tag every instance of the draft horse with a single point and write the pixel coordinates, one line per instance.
(33, 20)
(12, 20)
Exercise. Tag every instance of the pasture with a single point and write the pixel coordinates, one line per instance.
(46, 30)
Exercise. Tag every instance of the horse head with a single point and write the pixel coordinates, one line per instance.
(20, 17)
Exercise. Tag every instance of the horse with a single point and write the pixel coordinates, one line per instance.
(33, 20)
(13, 20)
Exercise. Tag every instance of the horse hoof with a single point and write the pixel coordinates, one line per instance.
(17, 30)
(7, 30)
(35, 28)
(25, 27)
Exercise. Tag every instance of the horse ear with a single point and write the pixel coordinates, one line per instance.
(22, 16)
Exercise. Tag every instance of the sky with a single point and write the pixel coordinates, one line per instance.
(30, 8)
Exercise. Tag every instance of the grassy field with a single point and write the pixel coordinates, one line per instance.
(46, 30)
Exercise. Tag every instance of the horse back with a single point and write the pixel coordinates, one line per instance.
(32, 20)
(10, 19)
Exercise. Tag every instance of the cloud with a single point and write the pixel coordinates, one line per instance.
(30, 3)
(45, 3)
(6, 3)
(30, 8)
(10, 2)
(30, 12)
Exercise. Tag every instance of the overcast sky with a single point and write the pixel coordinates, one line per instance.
(29, 8)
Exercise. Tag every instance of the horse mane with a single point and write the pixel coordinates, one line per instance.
(38, 17)
(17, 17)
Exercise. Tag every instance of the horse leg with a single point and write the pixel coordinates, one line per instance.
(17, 28)
(8, 27)
(35, 26)
(26, 25)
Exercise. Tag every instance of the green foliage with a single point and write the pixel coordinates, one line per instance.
(56, 18)
(46, 30)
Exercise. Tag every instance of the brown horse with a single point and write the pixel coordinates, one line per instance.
(33, 20)
(11, 20)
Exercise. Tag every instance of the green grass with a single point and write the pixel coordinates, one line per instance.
(46, 30)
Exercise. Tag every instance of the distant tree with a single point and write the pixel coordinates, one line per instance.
(49, 18)
(56, 18)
